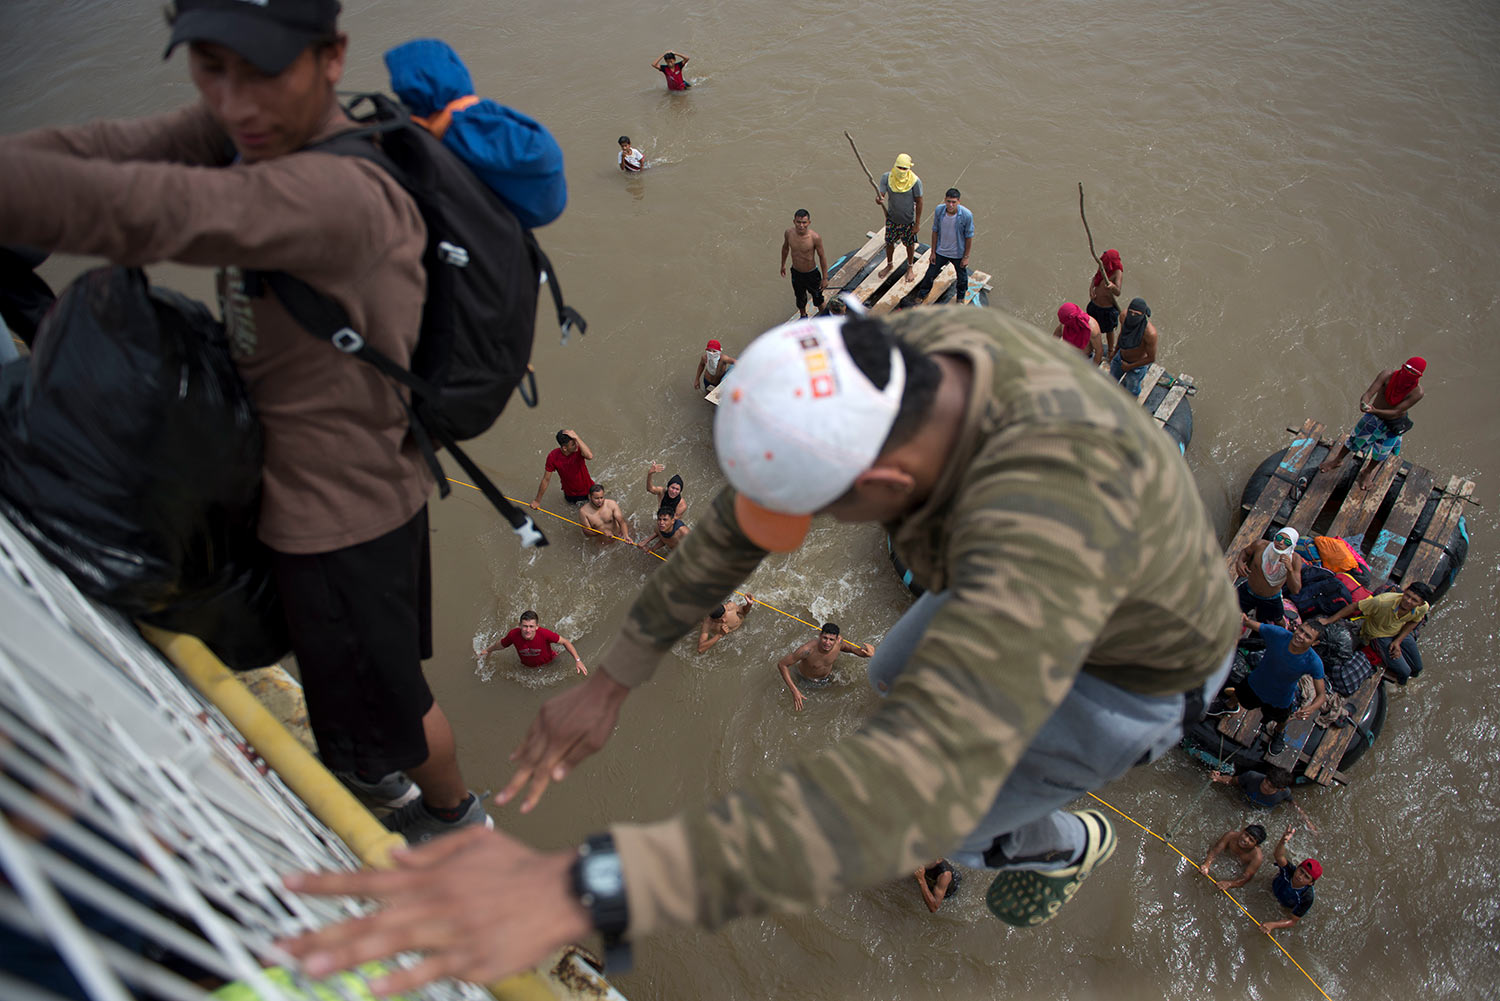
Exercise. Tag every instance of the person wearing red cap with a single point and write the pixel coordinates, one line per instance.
(713, 365)
(1293, 885)
(1384, 405)
(1080, 330)
(224, 182)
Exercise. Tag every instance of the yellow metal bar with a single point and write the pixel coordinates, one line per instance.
(324, 795)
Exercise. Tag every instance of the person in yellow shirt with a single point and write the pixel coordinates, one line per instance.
(1387, 626)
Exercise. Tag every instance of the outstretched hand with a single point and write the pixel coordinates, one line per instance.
(479, 903)
(568, 728)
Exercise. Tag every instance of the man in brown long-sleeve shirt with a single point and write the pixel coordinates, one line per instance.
(223, 183)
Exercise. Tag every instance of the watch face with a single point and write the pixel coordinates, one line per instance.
(601, 875)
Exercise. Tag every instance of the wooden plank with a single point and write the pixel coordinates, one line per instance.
(1270, 499)
(1323, 766)
(1314, 498)
(871, 285)
(903, 285)
(1297, 732)
(1392, 536)
(1444, 520)
(1175, 395)
(978, 280)
(856, 263)
(1360, 505)
(1153, 374)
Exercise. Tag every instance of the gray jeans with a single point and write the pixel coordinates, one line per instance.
(1098, 734)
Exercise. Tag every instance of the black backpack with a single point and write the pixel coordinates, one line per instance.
(483, 273)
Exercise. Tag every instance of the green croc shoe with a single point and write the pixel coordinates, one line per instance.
(1026, 899)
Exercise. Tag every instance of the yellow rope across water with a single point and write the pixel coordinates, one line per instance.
(1226, 893)
(586, 528)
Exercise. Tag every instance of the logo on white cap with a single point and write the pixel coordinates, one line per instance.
(797, 419)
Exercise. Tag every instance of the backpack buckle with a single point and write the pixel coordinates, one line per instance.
(453, 254)
(347, 341)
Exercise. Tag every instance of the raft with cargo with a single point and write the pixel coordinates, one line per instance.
(1409, 526)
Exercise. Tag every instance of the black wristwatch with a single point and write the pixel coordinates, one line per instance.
(599, 883)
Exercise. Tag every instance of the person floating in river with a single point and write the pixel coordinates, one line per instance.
(534, 644)
(669, 65)
(1244, 847)
(938, 882)
(713, 365)
(1293, 885)
(814, 660)
(669, 495)
(723, 620)
(1384, 406)
(631, 159)
(601, 517)
(670, 531)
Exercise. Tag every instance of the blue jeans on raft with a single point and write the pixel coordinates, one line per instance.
(1130, 380)
(1405, 663)
(1098, 734)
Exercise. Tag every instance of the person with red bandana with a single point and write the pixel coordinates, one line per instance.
(1104, 292)
(670, 65)
(1080, 330)
(1378, 434)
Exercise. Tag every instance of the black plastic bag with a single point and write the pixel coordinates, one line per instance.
(130, 450)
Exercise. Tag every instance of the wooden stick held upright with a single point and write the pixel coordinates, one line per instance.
(1090, 233)
(868, 176)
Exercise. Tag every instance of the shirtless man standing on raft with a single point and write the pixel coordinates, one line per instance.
(808, 276)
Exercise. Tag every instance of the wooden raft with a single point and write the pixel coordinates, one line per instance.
(1407, 487)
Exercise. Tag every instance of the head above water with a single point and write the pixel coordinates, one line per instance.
(624, 140)
(828, 636)
(1280, 778)
(674, 487)
(1255, 833)
(596, 495)
(665, 516)
(811, 407)
(529, 624)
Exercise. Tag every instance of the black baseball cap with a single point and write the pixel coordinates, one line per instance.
(268, 33)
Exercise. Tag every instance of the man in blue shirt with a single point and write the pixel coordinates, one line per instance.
(952, 238)
(1272, 686)
(1293, 885)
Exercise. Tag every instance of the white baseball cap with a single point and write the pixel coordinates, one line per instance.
(797, 423)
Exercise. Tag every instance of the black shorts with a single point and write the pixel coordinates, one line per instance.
(1266, 609)
(361, 624)
(805, 283)
(575, 498)
(1246, 697)
(1107, 317)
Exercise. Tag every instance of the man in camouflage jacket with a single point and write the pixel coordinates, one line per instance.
(1077, 611)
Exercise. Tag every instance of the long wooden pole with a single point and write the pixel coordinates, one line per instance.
(1086, 229)
(868, 176)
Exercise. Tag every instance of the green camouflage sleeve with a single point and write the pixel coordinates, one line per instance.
(712, 561)
(1034, 542)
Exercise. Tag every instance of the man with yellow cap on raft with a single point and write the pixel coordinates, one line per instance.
(901, 195)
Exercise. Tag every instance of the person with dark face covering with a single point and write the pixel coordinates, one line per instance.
(669, 494)
(1136, 348)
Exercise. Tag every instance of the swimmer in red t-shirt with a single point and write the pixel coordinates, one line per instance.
(670, 65)
(534, 644)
